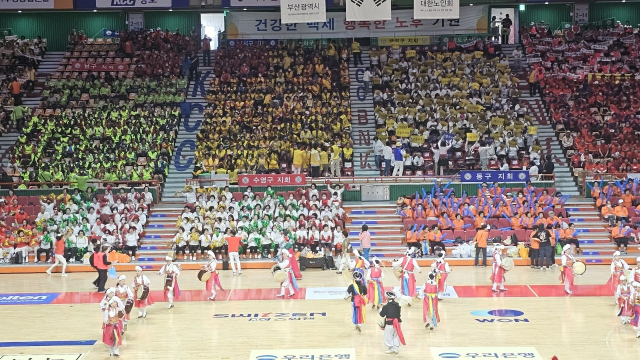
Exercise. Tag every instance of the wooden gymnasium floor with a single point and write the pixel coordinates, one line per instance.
(582, 326)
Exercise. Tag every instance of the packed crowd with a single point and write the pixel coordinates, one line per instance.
(311, 221)
(84, 220)
(445, 109)
(118, 126)
(19, 60)
(434, 220)
(277, 109)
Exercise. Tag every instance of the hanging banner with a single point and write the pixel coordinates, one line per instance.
(133, 4)
(436, 9)
(491, 176)
(303, 11)
(250, 3)
(368, 10)
(136, 21)
(271, 179)
(268, 25)
(26, 5)
(581, 13)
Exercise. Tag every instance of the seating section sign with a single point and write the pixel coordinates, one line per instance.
(491, 176)
(272, 179)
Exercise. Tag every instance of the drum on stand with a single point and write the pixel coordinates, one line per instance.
(204, 275)
(128, 305)
(143, 292)
(278, 274)
(579, 267)
(507, 264)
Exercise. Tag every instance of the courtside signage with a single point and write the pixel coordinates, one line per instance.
(522, 353)
(450, 293)
(272, 316)
(500, 316)
(42, 357)
(27, 299)
(315, 354)
(325, 293)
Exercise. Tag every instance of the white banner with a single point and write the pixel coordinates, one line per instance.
(26, 4)
(136, 21)
(101, 4)
(249, 3)
(581, 13)
(368, 10)
(494, 352)
(268, 25)
(303, 11)
(436, 9)
(326, 293)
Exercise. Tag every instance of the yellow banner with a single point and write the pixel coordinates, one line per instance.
(410, 54)
(497, 121)
(532, 130)
(417, 139)
(403, 132)
(404, 40)
(472, 137)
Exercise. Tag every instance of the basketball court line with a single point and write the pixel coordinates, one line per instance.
(462, 291)
(6, 344)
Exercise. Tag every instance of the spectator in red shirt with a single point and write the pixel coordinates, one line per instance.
(206, 51)
(58, 248)
(234, 242)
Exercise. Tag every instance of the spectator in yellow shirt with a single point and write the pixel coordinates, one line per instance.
(335, 160)
(324, 160)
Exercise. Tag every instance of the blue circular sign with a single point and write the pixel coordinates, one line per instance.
(498, 313)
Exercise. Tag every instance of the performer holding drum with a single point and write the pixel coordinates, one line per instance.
(623, 294)
(124, 293)
(141, 285)
(500, 266)
(112, 328)
(407, 265)
(441, 268)
(289, 280)
(375, 288)
(618, 266)
(566, 270)
(210, 275)
(171, 288)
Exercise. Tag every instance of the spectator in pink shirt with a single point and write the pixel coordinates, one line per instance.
(365, 241)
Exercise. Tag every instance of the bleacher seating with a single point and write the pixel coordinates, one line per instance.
(266, 102)
(422, 98)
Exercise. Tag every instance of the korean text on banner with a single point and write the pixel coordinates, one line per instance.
(272, 179)
(404, 40)
(436, 9)
(101, 4)
(494, 175)
(303, 11)
(368, 10)
(24, 4)
(268, 25)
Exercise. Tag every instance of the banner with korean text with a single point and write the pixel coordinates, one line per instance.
(272, 179)
(368, 10)
(436, 9)
(494, 175)
(268, 25)
(303, 11)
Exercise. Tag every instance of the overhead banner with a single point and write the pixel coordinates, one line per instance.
(368, 10)
(26, 4)
(133, 4)
(436, 9)
(303, 11)
(268, 25)
(494, 175)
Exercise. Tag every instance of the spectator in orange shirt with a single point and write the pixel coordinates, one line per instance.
(618, 233)
(435, 238)
(627, 198)
(420, 213)
(608, 213)
(458, 223)
(481, 238)
(535, 250)
(569, 236)
(413, 237)
(621, 212)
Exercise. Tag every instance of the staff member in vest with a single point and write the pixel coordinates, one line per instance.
(398, 160)
(393, 336)
(58, 250)
(101, 264)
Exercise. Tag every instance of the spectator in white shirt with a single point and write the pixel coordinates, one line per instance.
(533, 171)
(387, 154)
(378, 146)
(366, 80)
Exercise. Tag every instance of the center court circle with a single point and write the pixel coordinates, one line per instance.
(498, 313)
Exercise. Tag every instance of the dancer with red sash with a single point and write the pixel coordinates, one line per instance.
(566, 270)
(497, 274)
(375, 288)
(123, 292)
(393, 336)
(141, 280)
(290, 281)
(430, 314)
(171, 288)
(358, 293)
(623, 294)
(634, 274)
(112, 327)
(618, 266)
(293, 262)
(408, 280)
(360, 264)
(442, 271)
(215, 278)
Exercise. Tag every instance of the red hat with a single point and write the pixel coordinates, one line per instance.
(554, 357)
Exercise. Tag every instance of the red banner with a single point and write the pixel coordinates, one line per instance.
(99, 67)
(272, 179)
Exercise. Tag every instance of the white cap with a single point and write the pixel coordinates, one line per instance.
(168, 258)
(209, 252)
(638, 261)
(285, 254)
(498, 246)
(122, 277)
(566, 247)
(635, 284)
(111, 291)
(617, 253)
(620, 201)
(138, 268)
(623, 278)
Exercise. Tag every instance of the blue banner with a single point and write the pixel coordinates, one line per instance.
(27, 299)
(494, 175)
(110, 33)
(234, 42)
